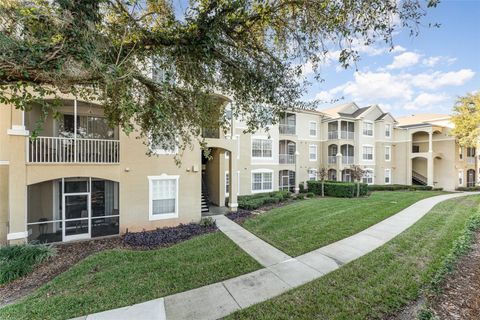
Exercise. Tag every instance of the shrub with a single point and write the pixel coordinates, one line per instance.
(337, 189)
(301, 188)
(19, 260)
(170, 235)
(252, 202)
(310, 195)
(468, 188)
(397, 187)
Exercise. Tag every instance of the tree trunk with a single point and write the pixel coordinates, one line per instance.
(358, 189)
(322, 189)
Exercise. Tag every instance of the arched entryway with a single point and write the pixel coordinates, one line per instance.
(470, 178)
(419, 171)
(347, 175)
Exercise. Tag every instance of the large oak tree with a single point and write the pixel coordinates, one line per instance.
(249, 50)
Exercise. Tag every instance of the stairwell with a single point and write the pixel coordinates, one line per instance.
(419, 179)
(205, 200)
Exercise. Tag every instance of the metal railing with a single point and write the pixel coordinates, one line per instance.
(332, 159)
(347, 135)
(347, 159)
(332, 134)
(71, 150)
(286, 158)
(286, 128)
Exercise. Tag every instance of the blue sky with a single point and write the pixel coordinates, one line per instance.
(424, 74)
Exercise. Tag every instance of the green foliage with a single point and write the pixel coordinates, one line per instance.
(477, 188)
(398, 187)
(337, 189)
(19, 260)
(207, 222)
(466, 117)
(255, 201)
(310, 195)
(250, 50)
(301, 188)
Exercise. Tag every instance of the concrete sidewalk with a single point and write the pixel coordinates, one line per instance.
(281, 272)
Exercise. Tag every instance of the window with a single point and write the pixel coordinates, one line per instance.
(367, 153)
(313, 128)
(171, 148)
(388, 153)
(163, 197)
(460, 178)
(261, 148)
(88, 127)
(368, 176)
(470, 152)
(313, 152)
(415, 149)
(388, 130)
(227, 183)
(388, 176)
(312, 174)
(460, 153)
(262, 181)
(368, 129)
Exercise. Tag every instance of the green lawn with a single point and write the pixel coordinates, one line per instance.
(310, 224)
(117, 278)
(383, 281)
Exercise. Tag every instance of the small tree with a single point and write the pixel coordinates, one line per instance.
(357, 175)
(322, 175)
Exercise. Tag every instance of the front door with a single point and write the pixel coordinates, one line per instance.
(76, 216)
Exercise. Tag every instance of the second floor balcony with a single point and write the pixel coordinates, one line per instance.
(80, 134)
(287, 151)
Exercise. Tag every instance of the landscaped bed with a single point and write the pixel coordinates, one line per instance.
(120, 277)
(307, 225)
(382, 282)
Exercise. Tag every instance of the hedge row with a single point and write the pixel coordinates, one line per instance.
(252, 202)
(396, 187)
(468, 189)
(337, 189)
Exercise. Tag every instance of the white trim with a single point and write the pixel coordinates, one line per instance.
(17, 235)
(461, 178)
(373, 175)
(316, 152)
(373, 152)
(4, 162)
(309, 129)
(17, 130)
(389, 148)
(389, 176)
(251, 147)
(391, 131)
(363, 127)
(261, 171)
(151, 216)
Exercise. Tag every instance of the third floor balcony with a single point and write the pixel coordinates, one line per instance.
(341, 130)
(287, 124)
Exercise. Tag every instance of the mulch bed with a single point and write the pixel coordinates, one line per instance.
(69, 254)
(239, 216)
(460, 295)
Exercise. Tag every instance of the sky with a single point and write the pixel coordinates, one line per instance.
(423, 74)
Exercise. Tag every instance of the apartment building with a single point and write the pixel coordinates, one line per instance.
(80, 179)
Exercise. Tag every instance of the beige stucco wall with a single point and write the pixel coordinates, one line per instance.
(3, 203)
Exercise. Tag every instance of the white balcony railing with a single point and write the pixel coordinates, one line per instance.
(332, 134)
(347, 159)
(71, 150)
(471, 160)
(347, 135)
(332, 159)
(286, 158)
(286, 128)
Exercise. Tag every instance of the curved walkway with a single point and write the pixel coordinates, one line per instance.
(281, 272)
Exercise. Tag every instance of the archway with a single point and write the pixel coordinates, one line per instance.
(332, 175)
(470, 178)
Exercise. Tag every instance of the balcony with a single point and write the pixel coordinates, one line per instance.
(286, 158)
(332, 134)
(332, 159)
(286, 128)
(73, 150)
(347, 159)
(349, 135)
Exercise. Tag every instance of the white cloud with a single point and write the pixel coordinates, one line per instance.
(404, 60)
(427, 101)
(397, 49)
(439, 79)
(431, 61)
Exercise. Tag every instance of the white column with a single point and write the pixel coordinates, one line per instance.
(232, 175)
(430, 142)
(430, 170)
(297, 170)
(339, 125)
(75, 130)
